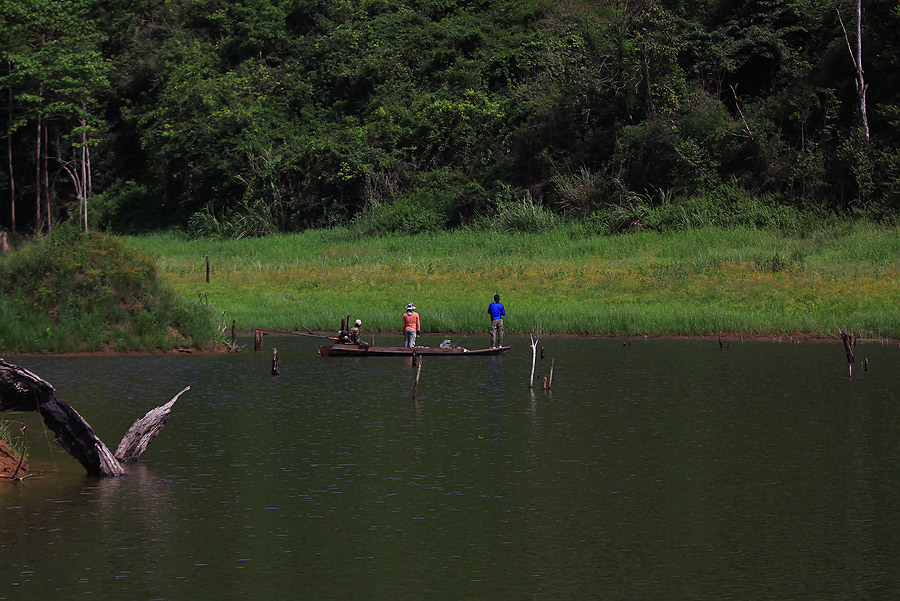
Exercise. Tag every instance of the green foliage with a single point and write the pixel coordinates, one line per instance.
(124, 207)
(577, 191)
(246, 220)
(727, 206)
(77, 292)
(524, 215)
(250, 117)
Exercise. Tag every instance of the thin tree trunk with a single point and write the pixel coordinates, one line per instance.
(37, 172)
(46, 171)
(12, 179)
(85, 168)
(861, 85)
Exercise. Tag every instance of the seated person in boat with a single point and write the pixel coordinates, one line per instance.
(354, 333)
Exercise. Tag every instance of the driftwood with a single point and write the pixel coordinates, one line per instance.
(143, 431)
(22, 390)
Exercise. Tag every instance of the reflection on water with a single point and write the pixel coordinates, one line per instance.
(663, 469)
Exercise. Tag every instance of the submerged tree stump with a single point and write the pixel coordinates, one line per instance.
(849, 348)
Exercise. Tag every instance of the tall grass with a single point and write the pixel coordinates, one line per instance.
(11, 435)
(692, 282)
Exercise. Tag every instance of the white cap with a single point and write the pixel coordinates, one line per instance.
(358, 322)
(410, 307)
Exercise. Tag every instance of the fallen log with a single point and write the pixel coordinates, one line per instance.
(144, 430)
(22, 390)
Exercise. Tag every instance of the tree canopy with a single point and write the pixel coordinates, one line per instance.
(254, 116)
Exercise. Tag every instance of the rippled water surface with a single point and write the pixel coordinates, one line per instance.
(655, 469)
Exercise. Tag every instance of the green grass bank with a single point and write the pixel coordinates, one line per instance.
(708, 281)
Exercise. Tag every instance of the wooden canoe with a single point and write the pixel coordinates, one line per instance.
(352, 350)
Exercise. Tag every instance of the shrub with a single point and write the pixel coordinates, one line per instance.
(725, 206)
(525, 215)
(251, 219)
(77, 292)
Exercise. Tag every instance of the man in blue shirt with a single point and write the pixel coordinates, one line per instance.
(495, 309)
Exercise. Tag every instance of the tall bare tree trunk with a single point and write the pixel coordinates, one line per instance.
(12, 178)
(856, 57)
(85, 168)
(46, 171)
(861, 85)
(37, 167)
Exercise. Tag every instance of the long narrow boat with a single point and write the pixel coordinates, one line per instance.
(352, 350)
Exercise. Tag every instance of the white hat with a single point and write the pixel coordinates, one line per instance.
(410, 307)
(358, 322)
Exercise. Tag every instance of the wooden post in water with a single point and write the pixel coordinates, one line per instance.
(550, 382)
(233, 336)
(207, 269)
(276, 362)
(257, 339)
(849, 348)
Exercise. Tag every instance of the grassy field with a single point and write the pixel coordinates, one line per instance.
(702, 282)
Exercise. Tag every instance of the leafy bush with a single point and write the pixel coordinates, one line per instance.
(404, 216)
(250, 219)
(124, 207)
(436, 200)
(725, 206)
(77, 292)
(523, 215)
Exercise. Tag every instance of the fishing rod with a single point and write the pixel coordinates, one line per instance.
(309, 333)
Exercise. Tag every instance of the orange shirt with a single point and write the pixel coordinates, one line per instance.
(411, 321)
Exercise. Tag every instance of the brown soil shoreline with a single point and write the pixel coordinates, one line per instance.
(8, 462)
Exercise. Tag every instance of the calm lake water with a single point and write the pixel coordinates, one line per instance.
(655, 469)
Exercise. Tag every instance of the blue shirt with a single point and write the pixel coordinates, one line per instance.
(496, 310)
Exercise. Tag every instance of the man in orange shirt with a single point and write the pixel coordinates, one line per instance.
(411, 326)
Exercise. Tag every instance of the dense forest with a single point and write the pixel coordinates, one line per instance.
(248, 117)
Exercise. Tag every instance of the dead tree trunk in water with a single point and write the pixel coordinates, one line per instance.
(21, 390)
(143, 431)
